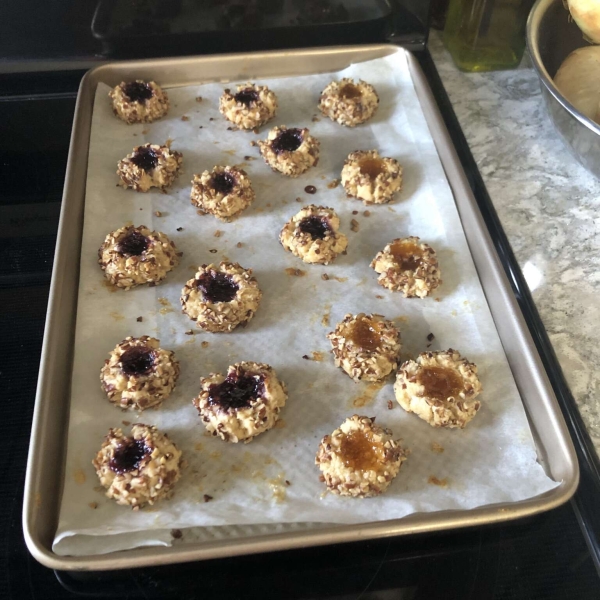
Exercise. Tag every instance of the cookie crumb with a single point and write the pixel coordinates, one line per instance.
(298, 199)
(158, 213)
(185, 118)
(211, 119)
(126, 423)
(354, 225)
(198, 98)
(333, 184)
(207, 498)
(213, 250)
(200, 127)
(253, 143)
(180, 229)
(140, 319)
(379, 297)
(437, 448)
(164, 302)
(367, 213)
(295, 272)
(325, 277)
(430, 337)
(306, 357)
(315, 119)
(204, 344)
(177, 534)
(390, 405)
(189, 332)
(287, 482)
(439, 482)
(93, 505)
(218, 233)
(354, 212)
(239, 245)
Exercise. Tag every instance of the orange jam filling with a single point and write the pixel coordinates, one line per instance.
(360, 451)
(365, 333)
(408, 255)
(350, 91)
(440, 382)
(372, 167)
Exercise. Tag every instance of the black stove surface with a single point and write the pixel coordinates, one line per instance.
(543, 557)
(37, 35)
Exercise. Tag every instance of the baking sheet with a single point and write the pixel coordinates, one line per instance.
(493, 460)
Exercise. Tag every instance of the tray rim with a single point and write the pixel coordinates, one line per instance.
(416, 523)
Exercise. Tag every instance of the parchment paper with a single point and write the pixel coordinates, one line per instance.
(492, 460)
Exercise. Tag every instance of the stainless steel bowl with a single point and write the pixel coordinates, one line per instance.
(551, 37)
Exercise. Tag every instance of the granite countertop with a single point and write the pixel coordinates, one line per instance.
(549, 206)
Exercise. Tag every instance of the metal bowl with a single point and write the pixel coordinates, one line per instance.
(551, 37)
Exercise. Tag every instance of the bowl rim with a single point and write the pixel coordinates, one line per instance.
(533, 26)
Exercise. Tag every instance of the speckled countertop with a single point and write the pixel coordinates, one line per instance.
(549, 206)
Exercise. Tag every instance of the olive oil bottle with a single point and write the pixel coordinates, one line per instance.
(486, 35)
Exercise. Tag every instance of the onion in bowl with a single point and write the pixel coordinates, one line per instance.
(578, 80)
(586, 13)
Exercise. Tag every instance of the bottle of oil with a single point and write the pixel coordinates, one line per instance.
(486, 35)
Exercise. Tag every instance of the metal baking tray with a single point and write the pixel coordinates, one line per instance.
(45, 469)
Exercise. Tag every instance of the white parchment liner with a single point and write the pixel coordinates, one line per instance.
(493, 460)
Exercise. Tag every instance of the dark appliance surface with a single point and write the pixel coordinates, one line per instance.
(228, 25)
(552, 556)
(37, 35)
